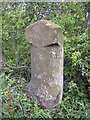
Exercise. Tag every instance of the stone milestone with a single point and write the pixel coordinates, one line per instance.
(46, 85)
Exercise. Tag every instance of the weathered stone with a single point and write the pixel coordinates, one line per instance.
(46, 62)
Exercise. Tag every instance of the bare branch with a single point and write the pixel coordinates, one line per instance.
(16, 67)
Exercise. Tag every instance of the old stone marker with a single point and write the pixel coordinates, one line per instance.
(46, 83)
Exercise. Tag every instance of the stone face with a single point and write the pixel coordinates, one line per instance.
(43, 33)
(46, 83)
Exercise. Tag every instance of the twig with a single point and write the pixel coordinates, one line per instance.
(16, 67)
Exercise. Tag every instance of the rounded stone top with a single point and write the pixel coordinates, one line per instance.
(43, 33)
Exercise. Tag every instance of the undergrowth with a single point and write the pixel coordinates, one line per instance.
(74, 104)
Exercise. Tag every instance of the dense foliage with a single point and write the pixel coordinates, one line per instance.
(74, 103)
(73, 19)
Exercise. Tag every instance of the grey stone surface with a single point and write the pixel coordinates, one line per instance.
(46, 83)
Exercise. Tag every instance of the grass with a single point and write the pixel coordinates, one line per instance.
(74, 104)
